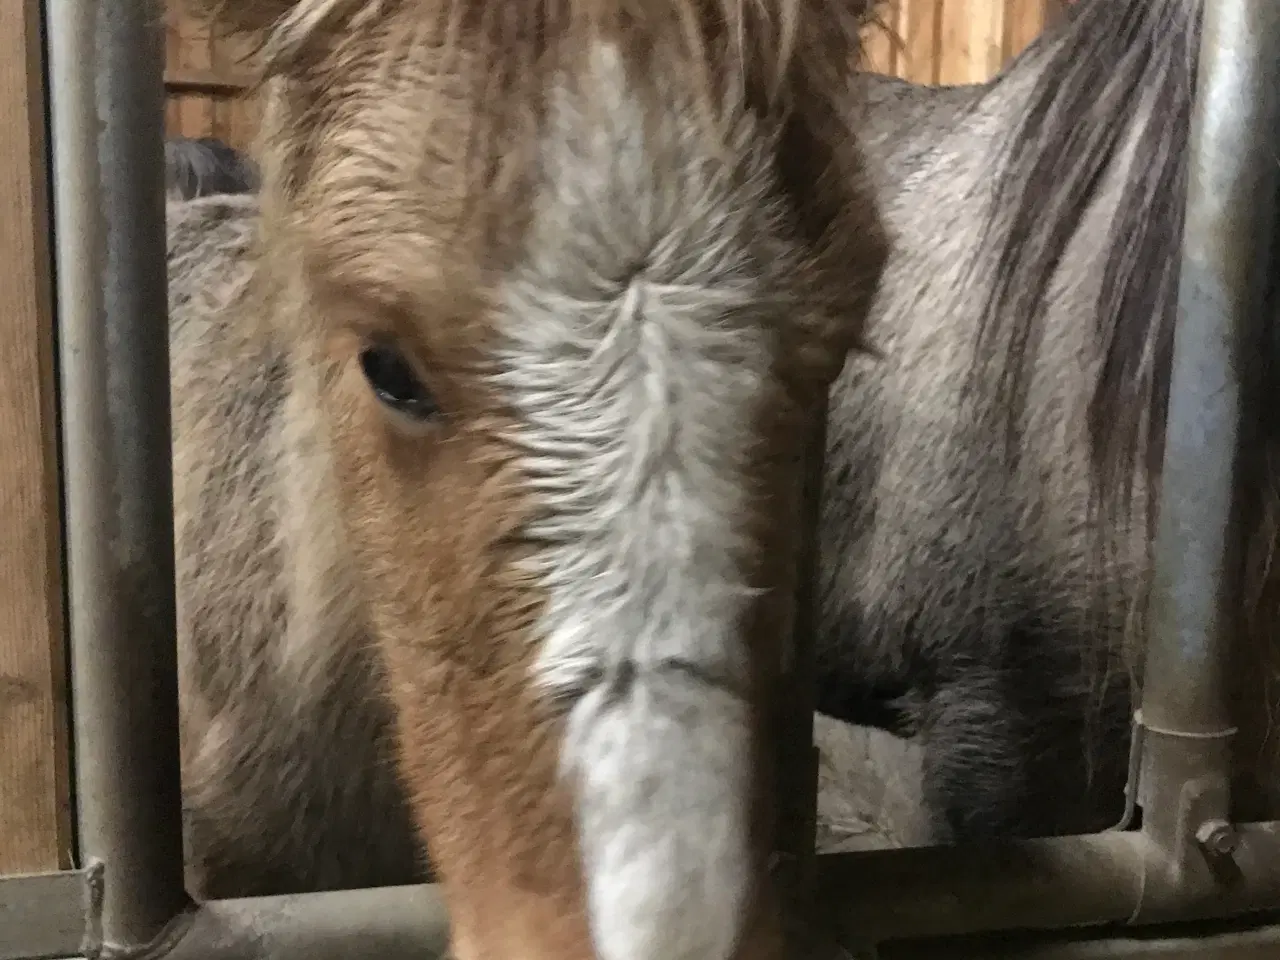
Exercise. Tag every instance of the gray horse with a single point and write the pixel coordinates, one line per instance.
(992, 477)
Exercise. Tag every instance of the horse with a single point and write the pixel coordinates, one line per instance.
(481, 427)
(203, 166)
(993, 476)
(287, 775)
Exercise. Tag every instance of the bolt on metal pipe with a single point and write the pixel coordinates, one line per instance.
(107, 107)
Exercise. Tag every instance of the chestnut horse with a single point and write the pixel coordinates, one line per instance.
(480, 446)
(993, 478)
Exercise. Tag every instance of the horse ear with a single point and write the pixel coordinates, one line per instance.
(248, 18)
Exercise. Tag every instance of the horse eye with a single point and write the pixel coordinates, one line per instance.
(395, 383)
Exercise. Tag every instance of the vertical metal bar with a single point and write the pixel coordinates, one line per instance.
(796, 777)
(1227, 244)
(107, 105)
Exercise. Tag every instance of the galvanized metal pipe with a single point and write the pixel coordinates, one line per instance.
(107, 105)
(391, 923)
(865, 898)
(1186, 725)
(796, 780)
(1255, 941)
(1227, 245)
(1043, 884)
(44, 918)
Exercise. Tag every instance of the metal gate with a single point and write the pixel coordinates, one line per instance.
(1108, 894)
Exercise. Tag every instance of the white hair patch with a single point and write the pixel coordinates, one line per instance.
(638, 362)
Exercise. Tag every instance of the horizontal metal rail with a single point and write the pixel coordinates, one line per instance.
(1212, 942)
(1051, 883)
(879, 896)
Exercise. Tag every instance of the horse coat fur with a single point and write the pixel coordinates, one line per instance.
(993, 476)
(287, 777)
(961, 594)
(562, 552)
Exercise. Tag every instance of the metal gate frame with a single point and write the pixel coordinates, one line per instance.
(127, 899)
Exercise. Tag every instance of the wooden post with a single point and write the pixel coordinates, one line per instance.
(35, 809)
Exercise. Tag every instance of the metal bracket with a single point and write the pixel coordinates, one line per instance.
(1183, 787)
(47, 914)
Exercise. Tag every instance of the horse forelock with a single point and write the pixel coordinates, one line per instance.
(771, 54)
(757, 39)
(1112, 61)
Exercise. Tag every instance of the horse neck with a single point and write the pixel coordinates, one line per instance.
(937, 157)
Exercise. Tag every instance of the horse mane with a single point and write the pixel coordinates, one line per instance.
(723, 35)
(1110, 59)
(205, 165)
(779, 55)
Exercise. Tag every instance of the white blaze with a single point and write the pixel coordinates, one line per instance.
(637, 361)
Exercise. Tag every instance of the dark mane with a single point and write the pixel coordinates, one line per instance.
(206, 166)
(1104, 65)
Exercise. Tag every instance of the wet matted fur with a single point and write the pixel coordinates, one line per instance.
(993, 480)
(613, 251)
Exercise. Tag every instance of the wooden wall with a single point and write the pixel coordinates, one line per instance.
(35, 799)
(942, 41)
(956, 41)
(204, 84)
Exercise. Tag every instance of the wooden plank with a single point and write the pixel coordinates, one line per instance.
(208, 94)
(879, 48)
(188, 52)
(211, 83)
(986, 37)
(954, 60)
(234, 120)
(920, 26)
(35, 807)
(242, 122)
(1024, 20)
(972, 45)
(173, 112)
